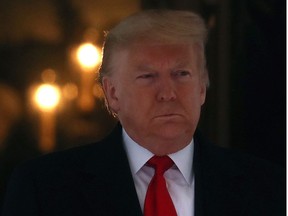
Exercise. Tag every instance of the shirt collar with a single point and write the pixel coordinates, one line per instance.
(138, 156)
(184, 161)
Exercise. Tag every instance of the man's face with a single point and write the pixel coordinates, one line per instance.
(157, 92)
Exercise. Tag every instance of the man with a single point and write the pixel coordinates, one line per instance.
(154, 78)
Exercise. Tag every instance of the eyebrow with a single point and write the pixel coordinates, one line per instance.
(148, 68)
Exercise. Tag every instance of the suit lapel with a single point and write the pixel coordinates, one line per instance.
(199, 187)
(108, 185)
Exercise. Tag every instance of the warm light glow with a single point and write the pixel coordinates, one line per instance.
(47, 97)
(70, 91)
(88, 56)
(48, 76)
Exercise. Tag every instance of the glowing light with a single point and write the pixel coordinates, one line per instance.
(48, 76)
(70, 91)
(88, 56)
(47, 97)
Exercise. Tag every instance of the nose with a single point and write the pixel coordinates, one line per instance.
(166, 91)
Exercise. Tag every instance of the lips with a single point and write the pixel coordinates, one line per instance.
(169, 115)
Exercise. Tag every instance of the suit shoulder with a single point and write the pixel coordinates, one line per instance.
(254, 164)
(72, 158)
(236, 162)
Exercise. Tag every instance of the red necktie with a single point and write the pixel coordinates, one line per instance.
(158, 201)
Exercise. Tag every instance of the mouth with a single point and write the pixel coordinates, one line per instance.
(167, 116)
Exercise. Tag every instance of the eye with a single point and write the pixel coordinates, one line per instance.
(146, 76)
(182, 73)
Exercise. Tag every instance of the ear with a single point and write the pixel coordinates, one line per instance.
(110, 94)
(203, 90)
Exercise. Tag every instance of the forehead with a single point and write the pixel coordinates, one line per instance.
(158, 55)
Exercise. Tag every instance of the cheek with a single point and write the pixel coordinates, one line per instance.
(193, 98)
(135, 101)
(126, 100)
(198, 91)
(136, 104)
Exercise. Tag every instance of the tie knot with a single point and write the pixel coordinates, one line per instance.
(160, 163)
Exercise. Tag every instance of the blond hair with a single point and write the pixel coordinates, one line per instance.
(155, 26)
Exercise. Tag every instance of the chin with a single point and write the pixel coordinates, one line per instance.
(174, 132)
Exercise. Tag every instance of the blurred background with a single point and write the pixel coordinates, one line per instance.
(50, 100)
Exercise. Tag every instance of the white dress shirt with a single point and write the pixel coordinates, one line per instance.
(179, 178)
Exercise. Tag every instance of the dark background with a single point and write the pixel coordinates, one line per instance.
(246, 56)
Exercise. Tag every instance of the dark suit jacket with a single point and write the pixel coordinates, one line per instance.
(96, 180)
